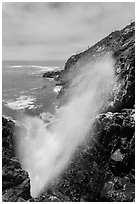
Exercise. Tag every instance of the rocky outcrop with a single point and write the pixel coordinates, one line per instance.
(103, 169)
(15, 181)
(52, 74)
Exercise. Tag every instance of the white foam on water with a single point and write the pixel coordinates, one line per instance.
(57, 89)
(21, 103)
(33, 89)
(43, 68)
(9, 118)
(15, 66)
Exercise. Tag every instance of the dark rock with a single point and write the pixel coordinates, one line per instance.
(15, 181)
(95, 173)
(21, 200)
(118, 190)
(92, 174)
(51, 74)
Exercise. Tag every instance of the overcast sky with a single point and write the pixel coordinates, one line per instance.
(52, 31)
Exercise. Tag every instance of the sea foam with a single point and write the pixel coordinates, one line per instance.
(21, 103)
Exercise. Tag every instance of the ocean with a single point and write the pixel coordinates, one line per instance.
(24, 90)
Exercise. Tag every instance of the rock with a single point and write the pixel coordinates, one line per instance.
(52, 74)
(118, 190)
(15, 181)
(91, 174)
(122, 46)
(21, 200)
(117, 156)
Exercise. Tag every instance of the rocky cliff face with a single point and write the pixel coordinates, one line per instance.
(104, 169)
(15, 181)
(122, 46)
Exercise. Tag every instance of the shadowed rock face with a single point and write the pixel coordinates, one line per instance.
(15, 181)
(104, 168)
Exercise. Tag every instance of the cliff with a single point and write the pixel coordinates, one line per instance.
(104, 169)
(122, 46)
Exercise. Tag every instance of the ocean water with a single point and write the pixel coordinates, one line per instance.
(25, 90)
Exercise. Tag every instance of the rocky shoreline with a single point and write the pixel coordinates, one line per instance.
(104, 169)
(52, 74)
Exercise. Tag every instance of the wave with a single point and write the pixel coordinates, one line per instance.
(33, 89)
(16, 122)
(44, 67)
(12, 89)
(48, 68)
(15, 66)
(23, 102)
(9, 118)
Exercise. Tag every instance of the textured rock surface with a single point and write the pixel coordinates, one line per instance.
(15, 181)
(99, 172)
(104, 168)
(122, 46)
(51, 74)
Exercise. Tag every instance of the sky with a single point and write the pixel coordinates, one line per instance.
(57, 30)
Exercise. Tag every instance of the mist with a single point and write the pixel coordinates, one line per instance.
(45, 151)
